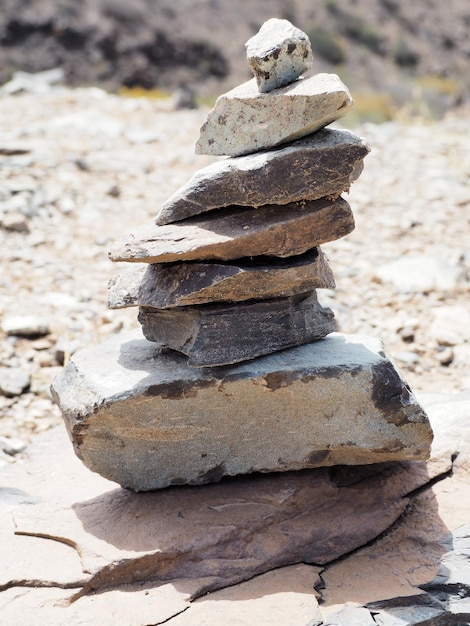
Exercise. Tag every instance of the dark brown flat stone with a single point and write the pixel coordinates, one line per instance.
(222, 334)
(322, 164)
(235, 233)
(166, 285)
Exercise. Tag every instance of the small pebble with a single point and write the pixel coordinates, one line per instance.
(445, 356)
(25, 326)
(13, 381)
(12, 446)
(407, 358)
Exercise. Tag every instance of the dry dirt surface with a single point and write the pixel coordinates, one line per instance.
(80, 168)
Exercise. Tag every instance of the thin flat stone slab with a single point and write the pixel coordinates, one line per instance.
(163, 285)
(278, 54)
(223, 334)
(244, 120)
(322, 164)
(236, 233)
(147, 420)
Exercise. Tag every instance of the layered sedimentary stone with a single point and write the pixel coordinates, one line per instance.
(239, 232)
(322, 164)
(222, 334)
(147, 420)
(278, 54)
(244, 121)
(165, 285)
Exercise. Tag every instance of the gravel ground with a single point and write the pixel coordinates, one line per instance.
(80, 168)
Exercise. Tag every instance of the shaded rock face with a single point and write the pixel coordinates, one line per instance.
(195, 426)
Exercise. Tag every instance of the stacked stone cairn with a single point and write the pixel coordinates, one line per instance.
(228, 277)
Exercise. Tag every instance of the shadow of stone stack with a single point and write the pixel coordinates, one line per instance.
(228, 277)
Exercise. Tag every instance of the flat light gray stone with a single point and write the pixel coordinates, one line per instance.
(162, 286)
(235, 233)
(421, 273)
(325, 163)
(147, 420)
(222, 334)
(25, 326)
(244, 120)
(13, 381)
(278, 54)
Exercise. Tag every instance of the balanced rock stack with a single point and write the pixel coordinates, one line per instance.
(227, 277)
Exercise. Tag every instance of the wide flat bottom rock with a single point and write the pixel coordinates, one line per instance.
(145, 419)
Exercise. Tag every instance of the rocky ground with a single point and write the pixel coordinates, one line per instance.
(80, 168)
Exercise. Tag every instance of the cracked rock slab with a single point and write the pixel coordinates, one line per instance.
(323, 164)
(164, 286)
(223, 334)
(214, 536)
(278, 54)
(147, 420)
(244, 120)
(236, 233)
(76, 506)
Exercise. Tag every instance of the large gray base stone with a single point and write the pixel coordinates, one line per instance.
(147, 420)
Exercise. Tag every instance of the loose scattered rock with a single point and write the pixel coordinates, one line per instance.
(25, 326)
(13, 381)
(278, 54)
(421, 273)
(450, 325)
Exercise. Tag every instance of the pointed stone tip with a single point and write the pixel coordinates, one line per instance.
(278, 54)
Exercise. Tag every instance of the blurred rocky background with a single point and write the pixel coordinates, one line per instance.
(392, 53)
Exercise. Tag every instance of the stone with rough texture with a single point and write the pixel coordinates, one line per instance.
(147, 420)
(278, 54)
(235, 233)
(322, 164)
(223, 334)
(181, 284)
(244, 121)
